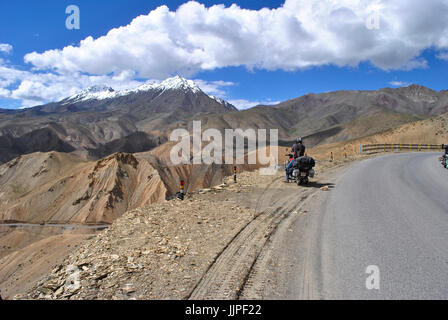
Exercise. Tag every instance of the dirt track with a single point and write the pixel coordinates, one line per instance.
(241, 270)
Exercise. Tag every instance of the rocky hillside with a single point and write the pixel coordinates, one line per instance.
(34, 257)
(337, 116)
(159, 251)
(154, 252)
(59, 188)
(429, 131)
(201, 248)
(327, 114)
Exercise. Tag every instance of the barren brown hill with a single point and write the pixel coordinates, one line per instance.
(65, 193)
(57, 188)
(429, 131)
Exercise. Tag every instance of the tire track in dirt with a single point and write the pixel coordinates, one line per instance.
(290, 254)
(231, 270)
(252, 281)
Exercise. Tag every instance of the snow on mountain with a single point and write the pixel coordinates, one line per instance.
(95, 92)
(219, 100)
(103, 92)
(178, 83)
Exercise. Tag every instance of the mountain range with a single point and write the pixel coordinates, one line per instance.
(100, 121)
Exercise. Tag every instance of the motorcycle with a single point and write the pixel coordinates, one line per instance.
(444, 160)
(301, 170)
(301, 175)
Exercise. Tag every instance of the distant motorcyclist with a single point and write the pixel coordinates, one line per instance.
(445, 156)
(298, 148)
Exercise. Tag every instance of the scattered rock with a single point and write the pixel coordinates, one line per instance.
(155, 252)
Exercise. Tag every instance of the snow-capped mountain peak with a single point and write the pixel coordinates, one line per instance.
(99, 89)
(176, 83)
(94, 92)
(179, 83)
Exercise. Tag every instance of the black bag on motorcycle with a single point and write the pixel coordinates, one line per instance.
(304, 162)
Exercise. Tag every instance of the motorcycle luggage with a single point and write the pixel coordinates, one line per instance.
(305, 162)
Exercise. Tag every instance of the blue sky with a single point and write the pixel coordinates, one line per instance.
(298, 55)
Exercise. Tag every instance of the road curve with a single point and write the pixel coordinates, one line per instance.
(390, 212)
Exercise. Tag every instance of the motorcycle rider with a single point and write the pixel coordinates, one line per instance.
(445, 156)
(298, 150)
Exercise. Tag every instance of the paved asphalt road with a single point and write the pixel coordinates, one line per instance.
(391, 212)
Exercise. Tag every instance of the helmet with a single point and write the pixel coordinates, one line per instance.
(299, 140)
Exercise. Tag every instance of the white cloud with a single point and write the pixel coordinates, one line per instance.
(419, 63)
(242, 104)
(4, 93)
(5, 48)
(35, 88)
(214, 88)
(399, 83)
(299, 34)
(443, 56)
